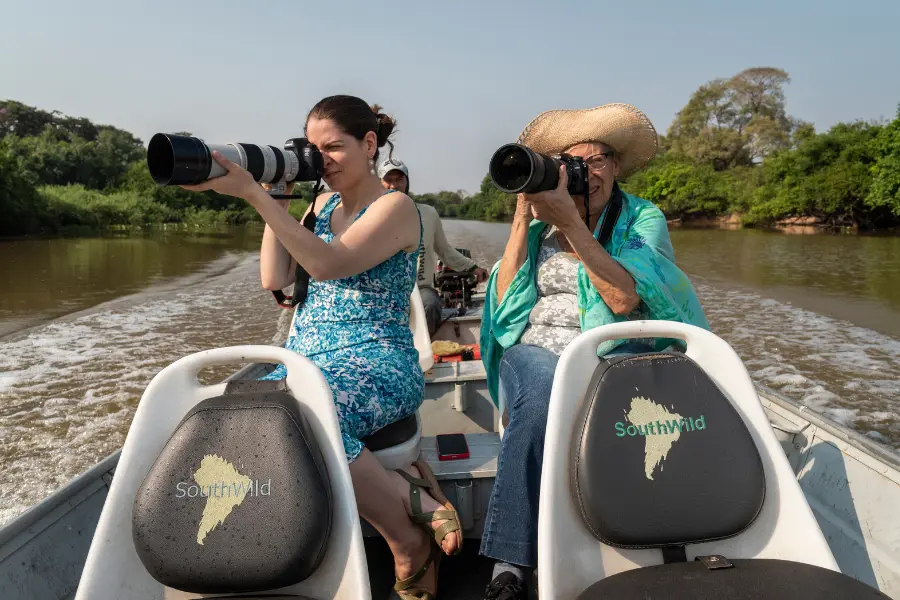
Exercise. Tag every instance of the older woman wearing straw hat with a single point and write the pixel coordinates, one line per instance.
(562, 274)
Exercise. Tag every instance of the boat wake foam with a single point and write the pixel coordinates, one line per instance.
(69, 388)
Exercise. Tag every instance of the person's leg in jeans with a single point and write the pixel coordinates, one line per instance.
(510, 530)
(511, 523)
(432, 303)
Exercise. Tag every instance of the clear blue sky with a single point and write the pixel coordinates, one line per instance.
(461, 77)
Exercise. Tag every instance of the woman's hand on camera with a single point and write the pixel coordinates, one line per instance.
(237, 181)
(554, 207)
(523, 209)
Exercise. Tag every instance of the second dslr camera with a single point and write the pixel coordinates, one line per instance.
(517, 169)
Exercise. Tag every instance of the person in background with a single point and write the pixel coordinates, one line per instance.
(395, 176)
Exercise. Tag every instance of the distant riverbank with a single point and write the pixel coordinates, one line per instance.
(792, 225)
(724, 159)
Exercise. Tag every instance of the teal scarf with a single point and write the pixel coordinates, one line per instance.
(640, 243)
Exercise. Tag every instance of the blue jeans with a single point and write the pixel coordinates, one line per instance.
(511, 524)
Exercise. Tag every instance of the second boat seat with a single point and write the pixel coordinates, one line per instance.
(685, 467)
(723, 579)
(392, 435)
(654, 460)
(686, 472)
(397, 445)
(236, 488)
(210, 516)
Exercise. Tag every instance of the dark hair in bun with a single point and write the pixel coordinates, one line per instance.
(355, 117)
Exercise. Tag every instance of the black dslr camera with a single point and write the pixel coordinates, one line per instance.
(517, 169)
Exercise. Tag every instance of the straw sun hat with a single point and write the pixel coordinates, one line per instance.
(621, 126)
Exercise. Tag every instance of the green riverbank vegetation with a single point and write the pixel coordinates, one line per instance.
(64, 175)
(731, 154)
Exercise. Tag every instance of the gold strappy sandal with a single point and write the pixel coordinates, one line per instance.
(406, 589)
(429, 483)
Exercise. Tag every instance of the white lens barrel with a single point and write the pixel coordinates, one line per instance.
(260, 160)
(232, 152)
(291, 165)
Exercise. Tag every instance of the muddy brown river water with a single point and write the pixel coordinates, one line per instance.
(86, 323)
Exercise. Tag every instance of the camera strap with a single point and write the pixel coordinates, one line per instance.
(587, 206)
(612, 215)
(585, 183)
(301, 277)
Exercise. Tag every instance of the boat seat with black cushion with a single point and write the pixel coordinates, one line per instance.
(239, 488)
(723, 579)
(684, 466)
(686, 471)
(392, 435)
(653, 460)
(239, 499)
(397, 445)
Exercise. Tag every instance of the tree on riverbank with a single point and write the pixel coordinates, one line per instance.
(63, 173)
(734, 150)
(489, 204)
(20, 204)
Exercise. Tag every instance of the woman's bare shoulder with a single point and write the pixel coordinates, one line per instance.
(396, 201)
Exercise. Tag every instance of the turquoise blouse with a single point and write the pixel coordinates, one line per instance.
(640, 243)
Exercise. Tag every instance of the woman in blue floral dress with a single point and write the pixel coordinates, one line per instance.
(354, 323)
(372, 367)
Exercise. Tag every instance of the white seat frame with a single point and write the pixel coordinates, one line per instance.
(403, 455)
(419, 325)
(570, 559)
(113, 569)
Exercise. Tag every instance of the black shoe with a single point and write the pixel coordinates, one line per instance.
(505, 586)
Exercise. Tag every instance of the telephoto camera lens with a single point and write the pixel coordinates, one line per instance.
(184, 160)
(516, 168)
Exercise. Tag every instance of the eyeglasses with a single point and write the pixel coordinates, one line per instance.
(597, 162)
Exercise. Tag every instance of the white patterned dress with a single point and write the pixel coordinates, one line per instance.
(554, 322)
(356, 330)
